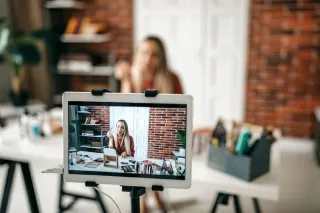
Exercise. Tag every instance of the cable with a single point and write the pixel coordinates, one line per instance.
(96, 188)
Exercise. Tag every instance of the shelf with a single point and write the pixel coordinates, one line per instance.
(96, 71)
(85, 38)
(64, 4)
(84, 112)
(89, 147)
(91, 124)
(92, 136)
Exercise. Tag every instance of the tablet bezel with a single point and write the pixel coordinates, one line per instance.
(129, 98)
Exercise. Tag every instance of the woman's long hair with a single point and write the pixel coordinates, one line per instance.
(163, 80)
(125, 139)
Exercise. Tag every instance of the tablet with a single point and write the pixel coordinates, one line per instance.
(128, 139)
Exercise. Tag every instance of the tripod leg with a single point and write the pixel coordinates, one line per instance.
(135, 194)
(135, 205)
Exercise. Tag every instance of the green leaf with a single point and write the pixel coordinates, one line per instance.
(181, 134)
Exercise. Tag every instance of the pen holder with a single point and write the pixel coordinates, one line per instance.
(245, 167)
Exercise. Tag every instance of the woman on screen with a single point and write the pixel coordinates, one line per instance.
(122, 142)
(149, 70)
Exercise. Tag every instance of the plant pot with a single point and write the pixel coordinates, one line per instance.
(20, 99)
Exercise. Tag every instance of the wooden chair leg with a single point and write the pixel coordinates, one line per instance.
(160, 202)
(143, 204)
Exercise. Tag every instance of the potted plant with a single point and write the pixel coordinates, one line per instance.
(181, 134)
(19, 50)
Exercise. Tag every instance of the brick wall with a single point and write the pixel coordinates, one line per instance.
(163, 126)
(100, 113)
(283, 84)
(118, 14)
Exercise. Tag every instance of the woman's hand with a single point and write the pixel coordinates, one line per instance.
(124, 155)
(122, 70)
(109, 134)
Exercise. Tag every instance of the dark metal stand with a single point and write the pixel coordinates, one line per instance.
(27, 181)
(135, 193)
(97, 198)
(223, 198)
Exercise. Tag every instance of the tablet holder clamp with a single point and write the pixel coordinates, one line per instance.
(135, 192)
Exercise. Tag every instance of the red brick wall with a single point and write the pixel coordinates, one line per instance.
(283, 84)
(163, 126)
(119, 17)
(100, 113)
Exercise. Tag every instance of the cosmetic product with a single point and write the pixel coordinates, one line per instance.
(243, 140)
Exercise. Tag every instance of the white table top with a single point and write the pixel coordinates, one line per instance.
(51, 149)
(264, 187)
(8, 110)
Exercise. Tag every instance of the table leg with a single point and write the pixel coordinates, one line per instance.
(29, 187)
(221, 199)
(7, 188)
(237, 204)
(60, 194)
(256, 205)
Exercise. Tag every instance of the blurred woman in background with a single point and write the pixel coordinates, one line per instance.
(149, 70)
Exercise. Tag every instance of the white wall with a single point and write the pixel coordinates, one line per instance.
(4, 70)
(206, 43)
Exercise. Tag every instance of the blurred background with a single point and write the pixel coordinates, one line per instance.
(246, 60)
(255, 61)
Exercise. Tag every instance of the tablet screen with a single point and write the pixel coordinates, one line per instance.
(127, 139)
